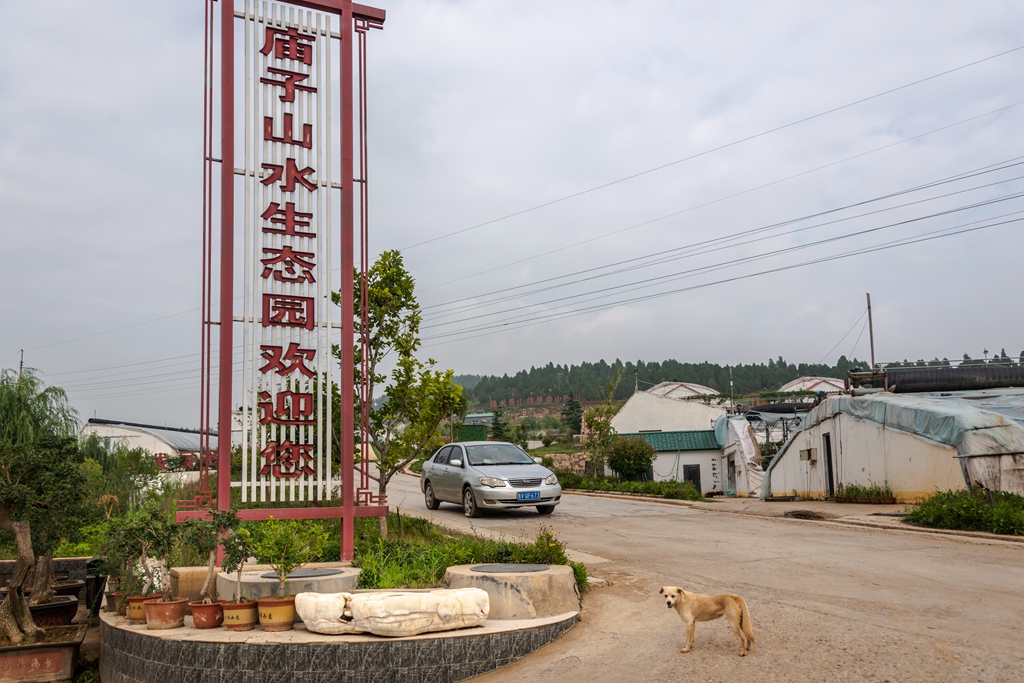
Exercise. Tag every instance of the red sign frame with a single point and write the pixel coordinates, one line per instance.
(354, 19)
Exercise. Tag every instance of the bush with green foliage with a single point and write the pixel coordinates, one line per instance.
(286, 545)
(631, 457)
(473, 433)
(997, 512)
(676, 490)
(416, 553)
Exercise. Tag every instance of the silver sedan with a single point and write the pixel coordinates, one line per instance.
(482, 475)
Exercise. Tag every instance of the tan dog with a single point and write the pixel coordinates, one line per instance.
(694, 607)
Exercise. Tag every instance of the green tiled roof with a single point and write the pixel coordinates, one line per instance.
(696, 440)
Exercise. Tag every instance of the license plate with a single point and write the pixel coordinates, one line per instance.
(528, 495)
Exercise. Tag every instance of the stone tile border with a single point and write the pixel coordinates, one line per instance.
(132, 654)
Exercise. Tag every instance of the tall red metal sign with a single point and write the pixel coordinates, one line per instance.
(288, 145)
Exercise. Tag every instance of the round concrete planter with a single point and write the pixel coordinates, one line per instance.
(164, 614)
(240, 616)
(520, 594)
(136, 607)
(207, 615)
(277, 614)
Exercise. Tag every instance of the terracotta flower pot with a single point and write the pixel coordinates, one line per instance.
(277, 614)
(164, 614)
(240, 616)
(136, 609)
(209, 615)
(116, 602)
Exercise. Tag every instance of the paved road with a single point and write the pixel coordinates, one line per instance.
(829, 602)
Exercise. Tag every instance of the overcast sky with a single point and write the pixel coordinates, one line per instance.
(481, 110)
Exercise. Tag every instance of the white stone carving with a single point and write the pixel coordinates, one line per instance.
(393, 613)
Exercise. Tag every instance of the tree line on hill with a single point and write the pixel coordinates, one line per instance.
(589, 381)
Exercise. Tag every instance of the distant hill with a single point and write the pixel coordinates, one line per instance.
(589, 380)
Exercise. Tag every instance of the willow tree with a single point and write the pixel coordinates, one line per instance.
(40, 488)
(407, 418)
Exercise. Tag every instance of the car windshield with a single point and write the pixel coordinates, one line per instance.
(497, 454)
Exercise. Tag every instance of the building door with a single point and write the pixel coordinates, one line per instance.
(691, 473)
(831, 479)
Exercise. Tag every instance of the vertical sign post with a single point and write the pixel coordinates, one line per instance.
(286, 97)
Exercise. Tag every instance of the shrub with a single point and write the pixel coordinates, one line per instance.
(631, 458)
(416, 554)
(547, 461)
(997, 512)
(547, 441)
(677, 490)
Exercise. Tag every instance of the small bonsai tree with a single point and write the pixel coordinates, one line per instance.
(632, 457)
(206, 534)
(143, 533)
(238, 548)
(286, 545)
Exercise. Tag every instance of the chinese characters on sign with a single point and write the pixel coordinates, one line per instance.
(282, 444)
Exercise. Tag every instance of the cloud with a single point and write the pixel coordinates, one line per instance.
(479, 110)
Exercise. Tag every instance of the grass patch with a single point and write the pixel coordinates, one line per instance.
(677, 490)
(871, 491)
(996, 512)
(416, 553)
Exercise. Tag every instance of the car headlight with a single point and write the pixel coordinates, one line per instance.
(493, 482)
(551, 480)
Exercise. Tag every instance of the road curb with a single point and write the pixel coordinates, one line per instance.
(695, 505)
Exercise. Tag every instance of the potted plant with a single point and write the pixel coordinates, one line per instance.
(41, 497)
(240, 614)
(39, 483)
(285, 545)
(163, 610)
(133, 536)
(206, 534)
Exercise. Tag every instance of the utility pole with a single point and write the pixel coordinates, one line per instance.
(732, 394)
(21, 363)
(871, 333)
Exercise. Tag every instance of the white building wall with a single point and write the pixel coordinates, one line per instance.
(130, 438)
(669, 467)
(865, 453)
(645, 412)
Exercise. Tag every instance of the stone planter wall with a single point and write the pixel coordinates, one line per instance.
(134, 655)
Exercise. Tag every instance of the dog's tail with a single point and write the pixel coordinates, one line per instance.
(748, 631)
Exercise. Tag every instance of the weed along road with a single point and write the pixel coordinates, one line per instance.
(828, 601)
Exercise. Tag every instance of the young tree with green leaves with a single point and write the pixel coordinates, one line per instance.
(601, 435)
(418, 398)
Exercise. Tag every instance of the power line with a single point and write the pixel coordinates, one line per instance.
(852, 327)
(543, 319)
(716, 201)
(711, 150)
(665, 257)
(648, 282)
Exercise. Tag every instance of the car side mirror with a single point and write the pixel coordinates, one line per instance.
(539, 460)
(455, 463)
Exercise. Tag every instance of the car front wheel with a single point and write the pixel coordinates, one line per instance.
(469, 503)
(545, 509)
(428, 497)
